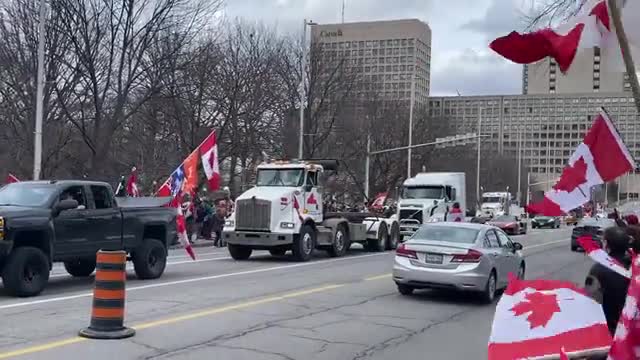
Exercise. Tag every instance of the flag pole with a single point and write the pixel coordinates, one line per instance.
(626, 51)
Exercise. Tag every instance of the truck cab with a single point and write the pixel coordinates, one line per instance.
(284, 212)
(427, 197)
(494, 204)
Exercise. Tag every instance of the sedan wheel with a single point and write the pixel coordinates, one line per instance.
(489, 293)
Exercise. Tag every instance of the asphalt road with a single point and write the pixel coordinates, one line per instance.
(268, 308)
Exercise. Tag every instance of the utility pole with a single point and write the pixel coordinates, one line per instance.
(37, 141)
(479, 133)
(343, 4)
(303, 63)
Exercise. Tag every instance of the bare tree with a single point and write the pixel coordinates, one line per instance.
(111, 41)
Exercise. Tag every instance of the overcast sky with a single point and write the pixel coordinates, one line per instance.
(461, 31)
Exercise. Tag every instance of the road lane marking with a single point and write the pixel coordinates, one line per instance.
(378, 277)
(130, 267)
(545, 244)
(177, 319)
(191, 280)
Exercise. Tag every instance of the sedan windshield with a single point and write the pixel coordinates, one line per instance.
(423, 192)
(280, 177)
(447, 234)
(24, 194)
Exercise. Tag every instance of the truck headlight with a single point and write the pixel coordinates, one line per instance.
(229, 223)
(287, 225)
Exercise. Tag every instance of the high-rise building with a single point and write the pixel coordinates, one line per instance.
(589, 72)
(389, 55)
(545, 128)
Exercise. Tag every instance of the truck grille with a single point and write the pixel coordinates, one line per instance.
(253, 214)
(411, 215)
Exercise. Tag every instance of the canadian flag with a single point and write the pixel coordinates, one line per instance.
(209, 155)
(590, 27)
(538, 318)
(597, 254)
(378, 202)
(626, 341)
(12, 179)
(181, 226)
(601, 157)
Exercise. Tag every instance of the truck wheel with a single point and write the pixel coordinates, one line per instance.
(394, 237)
(239, 252)
(340, 242)
(26, 272)
(150, 259)
(380, 243)
(304, 243)
(80, 267)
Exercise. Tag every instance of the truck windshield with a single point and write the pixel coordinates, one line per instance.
(492, 199)
(28, 195)
(423, 192)
(280, 177)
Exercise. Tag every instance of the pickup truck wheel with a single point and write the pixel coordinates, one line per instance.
(26, 272)
(239, 252)
(394, 237)
(150, 259)
(304, 243)
(380, 243)
(340, 242)
(80, 267)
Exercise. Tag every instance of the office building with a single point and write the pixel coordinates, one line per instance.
(546, 127)
(588, 73)
(389, 55)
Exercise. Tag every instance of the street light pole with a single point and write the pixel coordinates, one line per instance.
(519, 165)
(479, 132)
(366, 168)
(411, 104)
(37, 141)
(303, 64)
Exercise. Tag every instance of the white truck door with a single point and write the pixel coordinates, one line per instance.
(312, 196)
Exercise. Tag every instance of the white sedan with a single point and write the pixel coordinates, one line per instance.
(458, 256)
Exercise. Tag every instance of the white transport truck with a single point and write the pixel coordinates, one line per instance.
(428, 197)
(494, 204)
(284, 212)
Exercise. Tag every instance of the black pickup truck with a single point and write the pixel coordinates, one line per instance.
(42, 222)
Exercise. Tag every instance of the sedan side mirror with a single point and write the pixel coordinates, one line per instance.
(517, 246)
(67, 204)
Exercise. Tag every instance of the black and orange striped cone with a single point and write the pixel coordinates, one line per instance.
(107, 314)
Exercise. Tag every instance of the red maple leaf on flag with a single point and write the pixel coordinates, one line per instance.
(572, 176)
(540, 307)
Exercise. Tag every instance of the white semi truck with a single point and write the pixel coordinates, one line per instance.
(428, 197)
(284, 211)
(494, 204)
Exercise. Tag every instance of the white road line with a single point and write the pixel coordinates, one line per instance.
(186, 281)
(130, 267)
(546, 244)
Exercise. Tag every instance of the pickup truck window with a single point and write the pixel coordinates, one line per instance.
(101, 197)
(75, 193)
(28, 195)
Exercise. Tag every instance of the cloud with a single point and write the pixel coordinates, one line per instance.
(473, 72)
(500, 18)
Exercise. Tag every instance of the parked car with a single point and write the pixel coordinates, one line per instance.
(42, 222)
(511, 224)
(590, 226)
(457, 256)
(540, 222)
